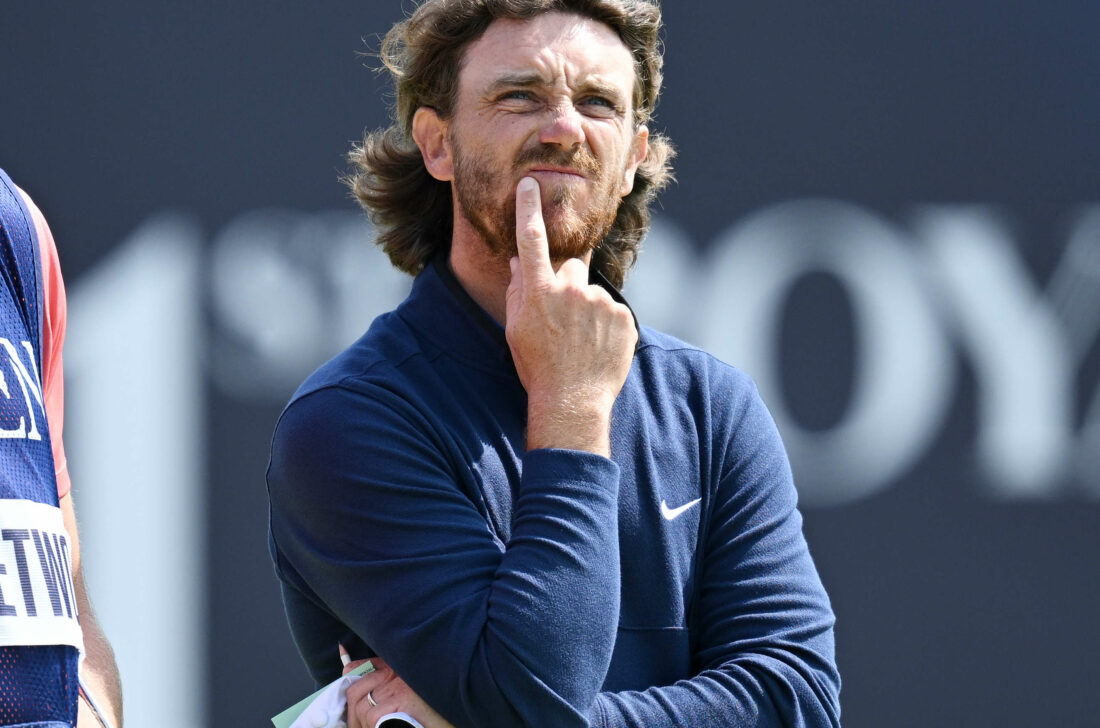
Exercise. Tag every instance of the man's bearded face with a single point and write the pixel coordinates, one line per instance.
(486, 194)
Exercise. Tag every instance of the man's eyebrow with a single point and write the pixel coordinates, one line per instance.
(529, 79)
(602, 88)
(522, 79)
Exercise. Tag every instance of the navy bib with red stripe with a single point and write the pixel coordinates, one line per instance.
(38, 628)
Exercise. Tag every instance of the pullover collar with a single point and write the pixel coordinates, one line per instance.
(466, 328)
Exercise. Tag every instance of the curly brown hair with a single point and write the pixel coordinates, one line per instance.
(412, 210)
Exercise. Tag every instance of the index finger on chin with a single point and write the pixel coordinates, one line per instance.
(531, 243)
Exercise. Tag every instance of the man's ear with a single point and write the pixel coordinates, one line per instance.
(430, 134)
(641, 148)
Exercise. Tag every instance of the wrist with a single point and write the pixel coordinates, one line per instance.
(577, 422)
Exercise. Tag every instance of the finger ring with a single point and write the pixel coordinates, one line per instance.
(370, 699)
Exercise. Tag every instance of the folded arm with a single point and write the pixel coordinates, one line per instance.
(762, 624)
(370, 518)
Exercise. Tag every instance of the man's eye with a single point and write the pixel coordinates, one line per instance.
(599, 101)
(600, 105)
(516, 96)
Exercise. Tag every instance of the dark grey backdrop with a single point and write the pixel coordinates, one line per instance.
(955, 607)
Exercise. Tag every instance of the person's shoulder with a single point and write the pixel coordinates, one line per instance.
(357, 402)
(340, 391)
(32, 208)
(377, 355)
(38, 222)
(678, 358)
(651, 340)
(370, 384)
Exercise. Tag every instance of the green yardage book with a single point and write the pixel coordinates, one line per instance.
(288, 716)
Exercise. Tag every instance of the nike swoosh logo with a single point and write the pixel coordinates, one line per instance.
(671, 514)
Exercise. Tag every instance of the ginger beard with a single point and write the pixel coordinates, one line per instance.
(570, 233)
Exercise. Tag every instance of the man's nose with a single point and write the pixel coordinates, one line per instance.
(563, 126)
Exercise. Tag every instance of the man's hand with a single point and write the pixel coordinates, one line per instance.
(572, 344)
(390, 695)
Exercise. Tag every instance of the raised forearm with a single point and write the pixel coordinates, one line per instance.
(571, 343)
(98, 670)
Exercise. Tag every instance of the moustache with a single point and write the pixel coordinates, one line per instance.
(578, 158)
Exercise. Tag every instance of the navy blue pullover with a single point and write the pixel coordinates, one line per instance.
(667, 586)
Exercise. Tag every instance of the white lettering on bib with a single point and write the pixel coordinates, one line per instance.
(37, 598)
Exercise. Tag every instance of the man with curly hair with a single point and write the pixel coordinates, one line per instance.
(523, 506)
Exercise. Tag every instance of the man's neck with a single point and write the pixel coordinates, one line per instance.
(482, 275)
